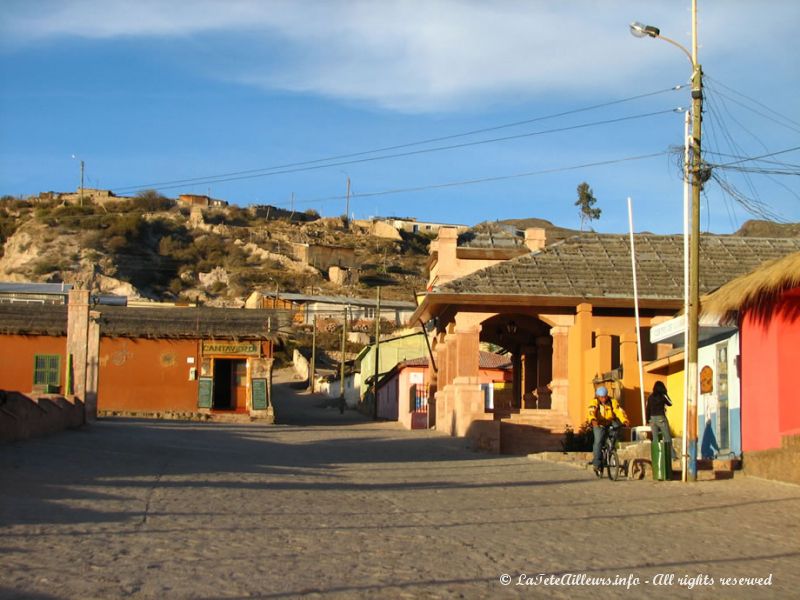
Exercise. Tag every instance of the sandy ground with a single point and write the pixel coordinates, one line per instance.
(325, 505)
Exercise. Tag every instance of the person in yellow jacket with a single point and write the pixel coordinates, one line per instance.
(604, 413)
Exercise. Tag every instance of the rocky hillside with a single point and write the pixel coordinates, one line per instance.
(756, 228)
(148, 247)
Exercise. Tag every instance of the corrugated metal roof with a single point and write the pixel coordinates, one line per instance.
(486, 360)
(341, 300)
(35, 288)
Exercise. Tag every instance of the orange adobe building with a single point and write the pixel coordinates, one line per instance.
(154, 362)
(565, 313)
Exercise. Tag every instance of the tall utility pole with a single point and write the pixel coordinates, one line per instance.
(341, 362)
(312, 372)
(693, 326)
(377, 353)
(80, 199)
(80, 189)
(696, 170)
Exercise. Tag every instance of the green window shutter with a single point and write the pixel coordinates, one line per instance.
(205, 392)
(259, 394)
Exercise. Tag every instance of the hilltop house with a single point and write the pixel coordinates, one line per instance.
(305, 307)
(192, 200)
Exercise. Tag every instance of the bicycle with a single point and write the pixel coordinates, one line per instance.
(609, 460)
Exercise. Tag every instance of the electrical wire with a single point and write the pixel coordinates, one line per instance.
(213, 178)
(447, 184)
(443, 148)
(751, 158)
(753, 100)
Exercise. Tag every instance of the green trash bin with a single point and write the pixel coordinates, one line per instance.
(661, 456)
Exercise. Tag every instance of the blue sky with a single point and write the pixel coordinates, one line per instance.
(148, 91)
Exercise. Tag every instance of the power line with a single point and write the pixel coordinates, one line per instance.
(409, 144)
(489, 179)
(435, 149)
(749, 158)
(754, 101)
(769, 162)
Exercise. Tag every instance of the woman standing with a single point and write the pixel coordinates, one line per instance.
(656, 413)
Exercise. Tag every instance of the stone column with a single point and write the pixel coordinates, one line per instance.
(516, 362)
(468, 404)
(560, 367)
(580, 373)
(77, 341)
(544, 353)
(443, 404)
(544, 366)
(529, 374)
(92, 364)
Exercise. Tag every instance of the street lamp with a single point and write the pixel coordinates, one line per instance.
(689, 454)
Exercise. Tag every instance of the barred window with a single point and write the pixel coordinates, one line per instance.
(46, 369)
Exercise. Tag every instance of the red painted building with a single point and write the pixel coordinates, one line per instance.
(766, 306)
(770, 357)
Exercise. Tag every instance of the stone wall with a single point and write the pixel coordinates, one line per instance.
(23, 417)
(780, 464)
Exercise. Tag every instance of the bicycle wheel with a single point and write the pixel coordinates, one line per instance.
(614, 467)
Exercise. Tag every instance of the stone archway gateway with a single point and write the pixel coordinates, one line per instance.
(534, 406)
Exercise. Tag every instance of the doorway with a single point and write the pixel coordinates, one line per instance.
(230, 384)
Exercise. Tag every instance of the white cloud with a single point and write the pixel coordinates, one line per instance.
(420, 55)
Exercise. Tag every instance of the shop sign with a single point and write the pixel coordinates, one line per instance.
(237, 348)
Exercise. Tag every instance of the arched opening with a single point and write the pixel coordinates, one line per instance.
(529, 343)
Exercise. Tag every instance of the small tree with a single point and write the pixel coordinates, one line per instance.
(585, 203)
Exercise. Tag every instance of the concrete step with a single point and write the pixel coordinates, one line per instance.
(555, 422)
(707, 470)
(790, 442)
(516, 438)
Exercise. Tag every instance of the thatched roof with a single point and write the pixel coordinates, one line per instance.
(756, 291)
(171, 323)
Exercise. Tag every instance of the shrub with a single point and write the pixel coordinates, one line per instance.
(48, 265)
(578, 441)
(150, 201)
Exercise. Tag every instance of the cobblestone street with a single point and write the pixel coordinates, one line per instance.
(337, 506)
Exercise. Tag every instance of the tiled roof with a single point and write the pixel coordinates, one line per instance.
(33, 319)
(596, 266)
(490, 239)
(236, 323)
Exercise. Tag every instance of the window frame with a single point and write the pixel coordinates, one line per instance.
(48, 373)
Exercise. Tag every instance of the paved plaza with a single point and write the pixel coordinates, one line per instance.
(324, 505)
